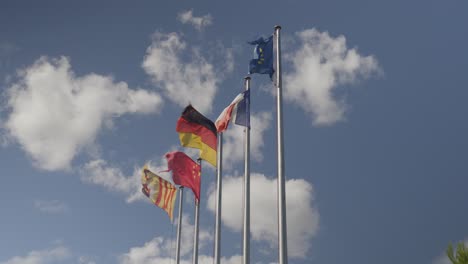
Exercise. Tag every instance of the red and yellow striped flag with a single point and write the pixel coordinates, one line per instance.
(161, 192)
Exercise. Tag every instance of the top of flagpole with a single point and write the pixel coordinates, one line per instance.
(277, 27)
(247, 77)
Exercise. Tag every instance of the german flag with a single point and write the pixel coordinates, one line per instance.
(197, 131)
(161, 192)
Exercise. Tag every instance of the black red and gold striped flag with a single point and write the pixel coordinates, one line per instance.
(161, 192)
(197, 131)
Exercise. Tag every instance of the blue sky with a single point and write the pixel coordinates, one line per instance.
(374, 112)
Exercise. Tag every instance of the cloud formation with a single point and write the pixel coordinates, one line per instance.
(155, 252)
(319, 65)
(186, 17)
(51, 206)
(46, 256)
(100, 172)
(161, 250)
(55, 114)
(182, 73)
(302, 217)
(234, 137)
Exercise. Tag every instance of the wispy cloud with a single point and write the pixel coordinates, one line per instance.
(51, 206)
(99, 172)
(155, 252)
(234, 137)
(54, 114)
(102, 173)
(85, 260)
(47, 256)
(159, 249)
(183, 81)
(302, 216)
(319, 65)
(187, 238)
(187, 17)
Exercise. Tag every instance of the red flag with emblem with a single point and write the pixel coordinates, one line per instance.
(185, 171)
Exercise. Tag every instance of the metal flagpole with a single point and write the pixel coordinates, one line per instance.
(179, 225)
(197, 217)
(282, 235)
(219, 154)
(246, 231)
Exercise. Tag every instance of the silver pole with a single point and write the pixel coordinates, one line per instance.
(217, 249)
(282, 235)
(179, 225)
(246, 231)
(197, 217)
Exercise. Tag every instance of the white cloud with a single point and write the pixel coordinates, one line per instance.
(54, 255)
(233, 139)
(163, 247)
(98, 172)
(186, 17)
(187, 237)
(55, 114)
(194, 81)
(302, 217)
(85, 260)
(51, 206)
(319, 65)
(161, 250)
(112, 178)
(145, 253)
(4, 138)
(155, 252)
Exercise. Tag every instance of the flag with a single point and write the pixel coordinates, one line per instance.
(197, 131)
(263, 56)
(185, 171)
(238, 110)
(161, 192)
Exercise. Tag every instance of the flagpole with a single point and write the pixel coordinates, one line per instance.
(219, 154)
(282, 235)
(197, 217)
(246, 231)
(179, 225)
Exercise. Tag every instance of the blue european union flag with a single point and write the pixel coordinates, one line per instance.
(263, 56)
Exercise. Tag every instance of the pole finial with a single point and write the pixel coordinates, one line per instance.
(247, 77)
(277, 27)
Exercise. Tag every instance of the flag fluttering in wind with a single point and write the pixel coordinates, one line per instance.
(161, 192)
(238, 111)
(263, 56)
(185, 171)
(197, 131)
